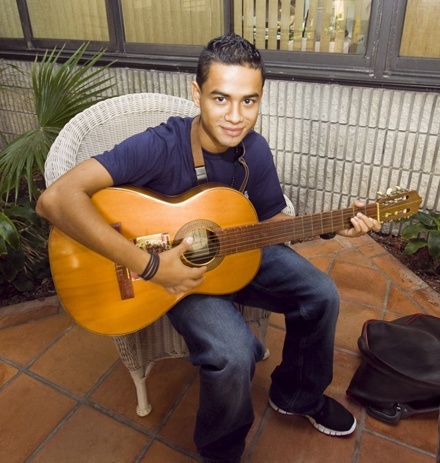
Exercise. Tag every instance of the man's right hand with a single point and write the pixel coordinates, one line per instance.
(174, 275)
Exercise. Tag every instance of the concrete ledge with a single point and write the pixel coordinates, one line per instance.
(28, 311)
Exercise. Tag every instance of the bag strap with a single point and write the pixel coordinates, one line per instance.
(199, 162)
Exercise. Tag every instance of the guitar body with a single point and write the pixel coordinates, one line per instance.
(88, 284)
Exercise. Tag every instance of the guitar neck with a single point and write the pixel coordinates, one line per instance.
(260, 234)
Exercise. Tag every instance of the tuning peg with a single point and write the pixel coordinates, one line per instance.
(389, 191)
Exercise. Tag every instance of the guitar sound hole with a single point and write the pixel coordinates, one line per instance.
(204, 248)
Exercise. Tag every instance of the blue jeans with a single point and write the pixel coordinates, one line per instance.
(226, 350)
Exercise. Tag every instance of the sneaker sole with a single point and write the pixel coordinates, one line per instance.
(316, 425)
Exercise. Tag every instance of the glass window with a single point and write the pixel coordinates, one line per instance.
(421, 31)
(69, 19)
(183, 22)
(329, 26)
(382, 42)
(10, 24)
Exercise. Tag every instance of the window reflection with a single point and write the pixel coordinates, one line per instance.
(180, 22)
(421, 32)
(329, 26)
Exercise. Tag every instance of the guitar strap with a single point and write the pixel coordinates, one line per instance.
(196, 147)
(199, 162)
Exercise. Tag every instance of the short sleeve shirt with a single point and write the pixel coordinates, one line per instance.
(160, 159)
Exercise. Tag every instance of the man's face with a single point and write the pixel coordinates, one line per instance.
(229, 101)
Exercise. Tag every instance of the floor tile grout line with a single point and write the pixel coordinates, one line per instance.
(20, 369)
(53, 432)
(156, 436)
(30, 363)
(399, 442)
(152, 435)
(359, 434)
(353, 353)
(103, 377)
(85, 400)
(392, 281)
(254, 442)
(178, 399)
(386, 298)
(170, 444)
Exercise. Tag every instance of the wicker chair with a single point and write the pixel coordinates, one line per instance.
(93, 131)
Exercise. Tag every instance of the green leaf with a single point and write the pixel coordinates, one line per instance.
(414, 245)
(16, 259)
(8, 232)
(425, 218)
(25, 212)
(434, 244)
(437, 220)
(23, 283)
(8, 270)
(410, 231)
(22, 158)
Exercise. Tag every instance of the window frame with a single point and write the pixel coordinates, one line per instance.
(380, 66)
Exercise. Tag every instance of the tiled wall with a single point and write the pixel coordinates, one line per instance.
(331, 143)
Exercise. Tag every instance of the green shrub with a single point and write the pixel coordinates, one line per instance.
(23, 242)
(60, 91)
(424, 231)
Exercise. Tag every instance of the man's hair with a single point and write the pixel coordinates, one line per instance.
(229, 49)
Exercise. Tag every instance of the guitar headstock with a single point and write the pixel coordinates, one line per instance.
(397, 204)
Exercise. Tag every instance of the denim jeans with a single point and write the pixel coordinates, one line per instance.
(226, 350)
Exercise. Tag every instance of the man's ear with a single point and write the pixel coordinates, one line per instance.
(195, 91)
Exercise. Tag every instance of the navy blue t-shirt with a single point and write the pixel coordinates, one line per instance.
(160, 159)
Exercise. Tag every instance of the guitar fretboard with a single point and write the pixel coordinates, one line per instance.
(254, 236)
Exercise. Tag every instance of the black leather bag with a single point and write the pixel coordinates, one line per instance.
(400, 372)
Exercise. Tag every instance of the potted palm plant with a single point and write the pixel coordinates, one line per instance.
(60, 91)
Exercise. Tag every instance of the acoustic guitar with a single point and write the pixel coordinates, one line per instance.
(107, 298)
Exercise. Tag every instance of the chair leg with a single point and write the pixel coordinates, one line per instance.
(139, 377)
(262, 327)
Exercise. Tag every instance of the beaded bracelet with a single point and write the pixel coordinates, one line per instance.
(151, 268)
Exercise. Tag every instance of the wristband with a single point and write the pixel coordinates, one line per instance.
(151, 268)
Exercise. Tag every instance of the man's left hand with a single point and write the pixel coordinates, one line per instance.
(361, 224)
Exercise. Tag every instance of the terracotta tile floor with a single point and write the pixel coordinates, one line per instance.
(65, 396)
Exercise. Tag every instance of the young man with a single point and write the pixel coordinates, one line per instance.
(228, 90)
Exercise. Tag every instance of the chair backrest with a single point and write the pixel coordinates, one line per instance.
(107, 123)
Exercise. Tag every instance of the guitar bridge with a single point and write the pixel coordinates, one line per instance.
(154, 244)
(157, 243)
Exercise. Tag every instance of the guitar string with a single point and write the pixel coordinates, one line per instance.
(275, 232)
(317, 224)
(282, 231)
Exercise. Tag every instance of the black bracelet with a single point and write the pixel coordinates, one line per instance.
(151, 268)
(328, 236)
